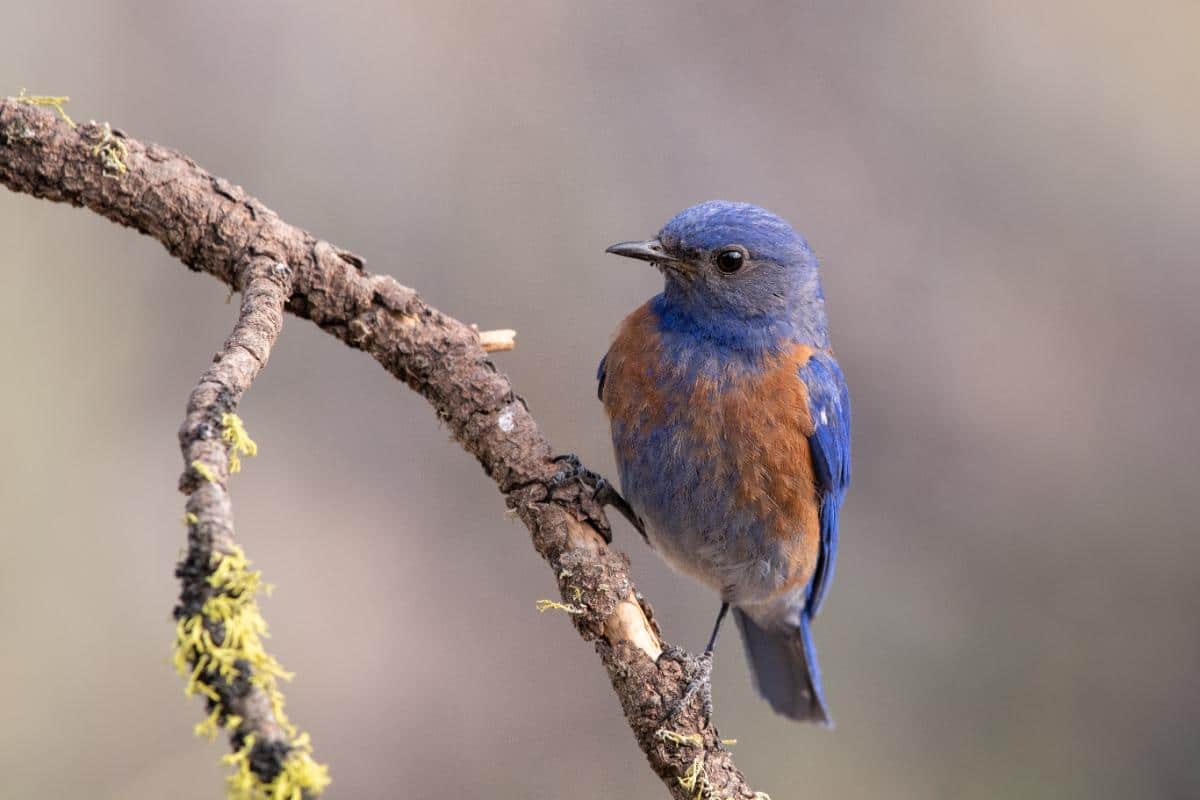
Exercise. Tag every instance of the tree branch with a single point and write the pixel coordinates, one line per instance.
(219, 630)
(213, 226)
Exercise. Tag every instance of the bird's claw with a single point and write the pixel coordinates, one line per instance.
(603, 492)
(700, 682)
(573, 470)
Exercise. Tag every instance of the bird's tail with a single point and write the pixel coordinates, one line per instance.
(785, 668)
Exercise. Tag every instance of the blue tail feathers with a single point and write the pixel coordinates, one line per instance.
(784, 664)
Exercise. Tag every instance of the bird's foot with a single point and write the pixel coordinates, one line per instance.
(603, 492)
(700, 668)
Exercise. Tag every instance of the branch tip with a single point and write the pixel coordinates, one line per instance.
(498, 340)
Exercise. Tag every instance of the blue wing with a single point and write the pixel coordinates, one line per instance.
(600, 378)
(829, 444)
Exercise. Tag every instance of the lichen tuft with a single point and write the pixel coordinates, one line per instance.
(233, 433)
(204, 471)
(220, 652)
(552, 605)
(112, 152)
(46, 100)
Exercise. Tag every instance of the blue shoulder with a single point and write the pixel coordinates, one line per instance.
(829, 445)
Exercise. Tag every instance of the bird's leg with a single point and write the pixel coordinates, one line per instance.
(712, 639)
(702, 679)
(603, 492)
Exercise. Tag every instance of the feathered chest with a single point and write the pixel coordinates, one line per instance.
(708, 445)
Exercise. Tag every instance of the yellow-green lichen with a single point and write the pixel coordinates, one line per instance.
(696, 779)
(204, 471)
(692, 739)
(112, 152)
(190, 519)
(547, 605)
(300, 774)
(206, 663)
(233, 433)
(212, 724)
(46, 100)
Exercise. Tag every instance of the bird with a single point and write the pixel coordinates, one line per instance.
(730, 423)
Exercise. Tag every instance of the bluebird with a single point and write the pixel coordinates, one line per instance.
(731, 427)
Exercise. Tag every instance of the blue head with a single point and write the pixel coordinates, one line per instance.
(736, 273)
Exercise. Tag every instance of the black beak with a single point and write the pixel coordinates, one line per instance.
(649, 250)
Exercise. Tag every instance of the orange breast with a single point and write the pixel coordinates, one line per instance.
(767, 425)
(634, 367)
(744, 431)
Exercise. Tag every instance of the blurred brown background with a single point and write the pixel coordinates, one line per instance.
(1005, 198)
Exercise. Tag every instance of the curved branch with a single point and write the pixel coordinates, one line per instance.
(213, 226)
(218, 625)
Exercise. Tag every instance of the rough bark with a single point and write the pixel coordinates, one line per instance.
(213, 226)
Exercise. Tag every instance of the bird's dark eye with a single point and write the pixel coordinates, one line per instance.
(730, 260)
